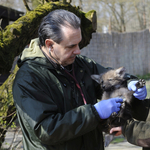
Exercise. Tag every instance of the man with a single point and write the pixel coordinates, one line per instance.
(55, 97)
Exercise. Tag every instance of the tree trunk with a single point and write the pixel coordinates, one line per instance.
(15, 37)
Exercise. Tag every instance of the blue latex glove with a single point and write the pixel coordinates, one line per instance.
(106, 107)
(141, 93)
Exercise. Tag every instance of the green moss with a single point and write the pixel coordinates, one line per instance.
(88, 14)
(7, 108)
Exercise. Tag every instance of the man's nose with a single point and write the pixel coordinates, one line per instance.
(77, 51)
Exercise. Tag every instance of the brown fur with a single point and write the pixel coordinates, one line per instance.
(114, 84)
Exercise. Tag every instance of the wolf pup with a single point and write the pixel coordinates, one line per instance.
(114, 84)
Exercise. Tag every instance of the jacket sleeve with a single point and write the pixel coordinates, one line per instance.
(40, 113)
(140, 109)
(137, 132)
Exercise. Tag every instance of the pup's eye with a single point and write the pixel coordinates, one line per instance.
(110, 79)
(101, 81)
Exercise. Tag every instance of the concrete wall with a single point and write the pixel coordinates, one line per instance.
(131, 50)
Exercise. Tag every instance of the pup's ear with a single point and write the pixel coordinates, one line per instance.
(96, 78)
(120, 72)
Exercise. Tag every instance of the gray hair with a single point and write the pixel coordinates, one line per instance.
(50, 27)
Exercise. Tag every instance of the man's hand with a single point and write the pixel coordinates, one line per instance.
(116, 129)
(140, 93)
(106, 107)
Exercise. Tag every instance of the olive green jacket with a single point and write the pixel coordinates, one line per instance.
(138, 132)
(50, 108)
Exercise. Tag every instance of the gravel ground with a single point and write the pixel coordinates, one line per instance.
(123, 146)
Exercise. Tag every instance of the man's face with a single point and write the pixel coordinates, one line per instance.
(65, 52)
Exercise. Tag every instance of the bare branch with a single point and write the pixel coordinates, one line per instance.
(26, 5)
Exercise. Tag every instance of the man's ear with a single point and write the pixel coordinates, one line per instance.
(49, 43)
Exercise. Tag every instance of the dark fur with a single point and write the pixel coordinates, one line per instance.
(114, 84)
